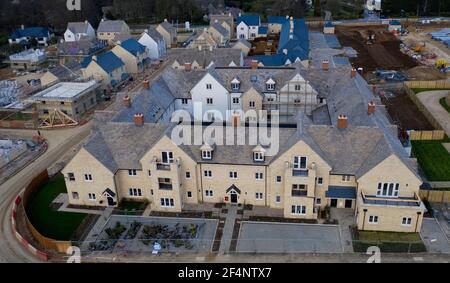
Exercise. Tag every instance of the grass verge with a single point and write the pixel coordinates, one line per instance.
(433, 158)
(391, 242)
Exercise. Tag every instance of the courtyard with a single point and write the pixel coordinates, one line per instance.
(289, 238)
(140, 234)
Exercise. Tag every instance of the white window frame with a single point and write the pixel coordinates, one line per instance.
(405, 221)
(236, 100)
(373, 219)
(388, 190)
(207, 174)
(259, 196)
(209, 86)
(206, 154)
(320, 181)
(235, 86)
(318, 201)
(209, 101)
(75, 195)
(258, 156)
(277, 199)
(270, 87)
(135, 192)
(188, 175)
(88, 177)
(167, 202)
(71, 177)
(298, 162)
(259, 176)
(209, 193)
(132, 172)
(189, 193)
(346, 178)
(298, 209)
(92, 196)
(278, 177)
(169, 157)
(233, 174)
(252, 104)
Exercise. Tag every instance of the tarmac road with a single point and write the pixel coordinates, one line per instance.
(60, 141)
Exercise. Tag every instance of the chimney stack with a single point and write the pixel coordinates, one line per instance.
(254, 64)
(126, 101)
(146, 84)
(187, 66)
(325, 65)
(371, 108)
(342, 122)
(139, 119)
(94, 58)
(353, 74)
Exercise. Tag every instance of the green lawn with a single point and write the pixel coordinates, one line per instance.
(433, 158)
(388, 242)
(444, 104)
(50, 223)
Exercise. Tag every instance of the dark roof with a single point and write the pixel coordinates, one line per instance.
(233, 187)
(341, 192)
(263, 30)
(249, 20)
(109, 192)
(30, 32)
(107, 61)
(133, 46)
(111, 26)
(78, 27)
(67, 72)
(81, 47)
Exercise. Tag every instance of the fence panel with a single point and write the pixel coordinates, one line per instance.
(439, 196)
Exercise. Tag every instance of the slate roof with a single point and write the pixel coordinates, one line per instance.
(78, 27)
(107, 61)
(133, 46)
(111, 143)
(30, 32)
(220, 29)
(111, 26)
(243, 42)
(154, 34)
(249, 20)
(67, 72)
(221, 57)
(81, 47)
(168, 27)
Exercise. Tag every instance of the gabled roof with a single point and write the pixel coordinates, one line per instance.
(81, 47)
(78, 27)
(168, 27)
(66, 72)
(111, 26)
(107, 61)
(30, 32)
(222, 57)
(154, 34)
(249, 20)
(220, 29)
(263, 30)
(133, 46)
(244, 42)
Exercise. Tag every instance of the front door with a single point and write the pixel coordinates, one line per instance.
(333, 202)
(111, 201)
(348, 203)
(233, 197)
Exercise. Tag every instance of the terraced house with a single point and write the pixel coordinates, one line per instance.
(343, 153)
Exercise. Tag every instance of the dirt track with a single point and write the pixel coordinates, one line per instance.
(384, 53)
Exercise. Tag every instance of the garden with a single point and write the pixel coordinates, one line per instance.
(46, 219)
(434, 159)
(140, 234)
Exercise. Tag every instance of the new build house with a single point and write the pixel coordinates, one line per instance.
(109, 30)
(106, 68)
(77, 31)
(154, 42)
(340, 149)
(199, 58)
(169, 32)
(133, 54)
(24, 35)
(247, 26)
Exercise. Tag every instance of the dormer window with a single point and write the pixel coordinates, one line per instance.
(206, 151)
(270, 85)
(258, 154)
(235, 84)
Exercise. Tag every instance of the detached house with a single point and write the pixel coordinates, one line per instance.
(219, 33)
(154, 42)
(109, 30)
(24, 35)
(133, 54)
(225, 20)
(248, 26)
(77, 31)
(169, 32)
(107, 68)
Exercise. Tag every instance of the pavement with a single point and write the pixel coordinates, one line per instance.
(60, 143)
(434, 237)
(227, 235)
(346, 218)
(430, 100)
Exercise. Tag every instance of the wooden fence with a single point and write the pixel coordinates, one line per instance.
(45, 242)
(435, 195)
(427, 135)
(441, 84)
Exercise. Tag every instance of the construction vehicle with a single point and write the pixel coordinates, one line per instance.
(419, 48)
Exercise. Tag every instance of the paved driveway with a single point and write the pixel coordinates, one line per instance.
(430, 100)
(433, 236)
(288, 238)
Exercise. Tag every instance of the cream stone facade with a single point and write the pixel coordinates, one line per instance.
(133, 64)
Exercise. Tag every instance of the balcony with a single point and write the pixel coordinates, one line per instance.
(300, 172)
(299, 193)
(165, 186)
(162, 167)
(394, 201)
